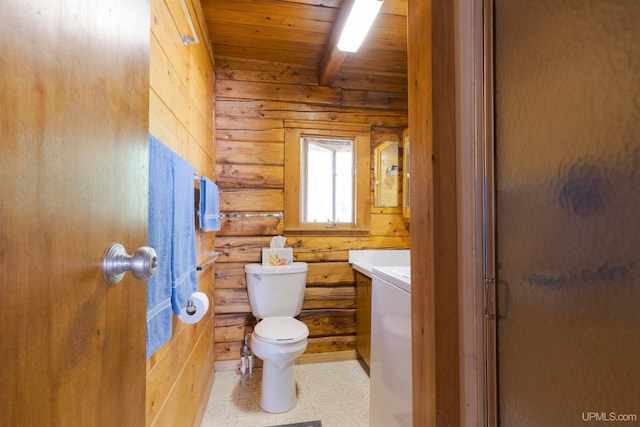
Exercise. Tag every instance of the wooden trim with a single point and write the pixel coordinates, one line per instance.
(327, 126)
(434, 298)
(470, 52)
(320, 230)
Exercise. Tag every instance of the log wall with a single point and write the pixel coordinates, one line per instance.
(253, 99)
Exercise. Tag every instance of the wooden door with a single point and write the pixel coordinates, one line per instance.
(74, 89)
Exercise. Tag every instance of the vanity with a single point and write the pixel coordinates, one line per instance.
(363, 317)
(383, 332)
(363, 262)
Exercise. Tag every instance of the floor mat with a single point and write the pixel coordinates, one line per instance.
(306, 424)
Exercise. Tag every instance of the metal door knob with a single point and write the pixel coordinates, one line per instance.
(142, 264)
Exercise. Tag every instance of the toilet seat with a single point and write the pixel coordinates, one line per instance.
(281, 330)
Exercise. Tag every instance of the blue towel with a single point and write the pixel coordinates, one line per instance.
(209, 205)
(159, 321)
(183, 240)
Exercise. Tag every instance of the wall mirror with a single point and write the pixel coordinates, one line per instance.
(386, 174)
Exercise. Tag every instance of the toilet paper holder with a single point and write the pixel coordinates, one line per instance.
(191, 308)
(195, 309)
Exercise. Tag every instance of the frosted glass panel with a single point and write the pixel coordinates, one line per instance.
(567, 93)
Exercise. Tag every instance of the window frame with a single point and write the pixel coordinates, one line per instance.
(361, 136)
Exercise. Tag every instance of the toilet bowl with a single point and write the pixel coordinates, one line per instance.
(278, 341)
(276, 294)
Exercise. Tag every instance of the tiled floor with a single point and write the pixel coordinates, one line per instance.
(337, 393)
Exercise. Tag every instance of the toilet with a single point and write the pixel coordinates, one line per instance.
(276, 294)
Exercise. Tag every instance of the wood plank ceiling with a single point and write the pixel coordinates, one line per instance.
(298, 33)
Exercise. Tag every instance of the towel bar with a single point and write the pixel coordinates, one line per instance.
(256, 215)
(214, 256)
(186, 40)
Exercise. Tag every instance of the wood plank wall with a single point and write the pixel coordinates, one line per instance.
(180, 374)
(253, 99)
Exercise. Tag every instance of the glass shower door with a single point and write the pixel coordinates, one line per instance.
(567, 206)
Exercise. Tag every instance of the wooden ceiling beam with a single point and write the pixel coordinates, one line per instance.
(333, 58)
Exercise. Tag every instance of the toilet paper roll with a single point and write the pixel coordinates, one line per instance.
(201, 303)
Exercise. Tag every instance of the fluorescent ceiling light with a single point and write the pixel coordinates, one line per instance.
(360, 19)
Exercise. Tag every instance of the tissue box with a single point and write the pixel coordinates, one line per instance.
(277, 256)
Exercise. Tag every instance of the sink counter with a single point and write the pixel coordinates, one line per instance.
(364, 260)
(363, 263)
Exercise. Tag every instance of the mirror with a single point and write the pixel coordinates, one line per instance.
(387, 174)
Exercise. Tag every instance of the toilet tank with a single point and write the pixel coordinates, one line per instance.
(276, 290)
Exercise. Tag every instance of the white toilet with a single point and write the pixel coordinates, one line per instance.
(276, 294)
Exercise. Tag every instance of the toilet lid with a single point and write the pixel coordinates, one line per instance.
(278, 329)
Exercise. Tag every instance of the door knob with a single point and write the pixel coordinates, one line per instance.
(142, 264)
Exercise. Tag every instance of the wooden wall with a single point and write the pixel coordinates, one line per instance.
(180, 374)
(253, 99)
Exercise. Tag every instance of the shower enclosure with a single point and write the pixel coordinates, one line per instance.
(566, 198)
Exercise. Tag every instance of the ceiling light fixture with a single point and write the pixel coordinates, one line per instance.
(360, 19)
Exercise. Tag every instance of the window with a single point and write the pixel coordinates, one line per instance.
(327, 178)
